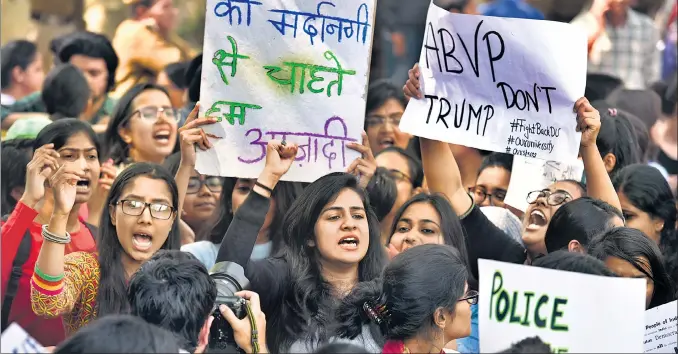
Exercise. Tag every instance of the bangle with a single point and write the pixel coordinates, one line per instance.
(270, 190)
(54, 238)
(473, 205)
(50, 278)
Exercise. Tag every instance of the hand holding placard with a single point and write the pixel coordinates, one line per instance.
(266, 82)
(484, 82)
(588, 122)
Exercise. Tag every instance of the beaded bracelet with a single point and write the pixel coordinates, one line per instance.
(54, 238)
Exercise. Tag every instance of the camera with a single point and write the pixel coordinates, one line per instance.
(229, 278)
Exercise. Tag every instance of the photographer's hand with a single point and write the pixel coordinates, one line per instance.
(242, 329)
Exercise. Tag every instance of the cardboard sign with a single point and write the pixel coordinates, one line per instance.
(572, 312)
(16, 340)
(292, 70)
(529, 175)
(661, 329)
(500, 84)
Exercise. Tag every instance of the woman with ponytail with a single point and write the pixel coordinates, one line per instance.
(421, 303)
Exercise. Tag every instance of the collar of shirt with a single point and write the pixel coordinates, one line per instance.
(6, 100)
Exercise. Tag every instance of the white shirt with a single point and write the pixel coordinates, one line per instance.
(628, 52)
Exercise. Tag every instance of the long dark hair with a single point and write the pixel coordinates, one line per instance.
(617, 137)
(452, 231)
(112, 293)
(308, 303)
(646, 188)
(16, 154)
(284, 194)
(414, 285)
(117, 149)
(580, 220)
(631, 245)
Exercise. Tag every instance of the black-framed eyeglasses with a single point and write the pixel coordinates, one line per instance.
(480, 194)
(471, 297)
(153, 113)
(375, 120)
(399, 176)
(213, 183)
(135, 208)
(552, 198)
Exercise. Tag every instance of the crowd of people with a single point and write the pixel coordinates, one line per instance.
(113, 242)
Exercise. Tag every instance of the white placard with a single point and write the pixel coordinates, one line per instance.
(500, 84)
(529, 175)
(661, 329)
(572, 312)
(16, 340)
(293, 70)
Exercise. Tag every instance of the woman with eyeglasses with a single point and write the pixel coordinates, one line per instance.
(485, 240)
(429, 219)
(202, 200)
(141, 218)
(421, 302)
(384, 107)
(233, 194)
(143, 127)
(493, 180)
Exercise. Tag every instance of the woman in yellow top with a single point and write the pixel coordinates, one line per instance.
(142, 218)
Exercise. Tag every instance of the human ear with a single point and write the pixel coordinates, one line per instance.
(610, 161)
(112, 214)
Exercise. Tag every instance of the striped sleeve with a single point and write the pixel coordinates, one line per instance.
(56, 296)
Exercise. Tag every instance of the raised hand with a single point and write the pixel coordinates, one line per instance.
(97, 203)
(41, 167)
(279, 157)
(64, 186)
(191, 135)
(412, 87)
(588, 122)
(363, 166)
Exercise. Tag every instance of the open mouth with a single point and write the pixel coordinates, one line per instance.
(162, 136)
(142, 241)
(349, 243)
(536, 220)
(386, 142)
(82, 185)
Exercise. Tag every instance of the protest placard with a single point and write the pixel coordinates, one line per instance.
(292, 70)
(529, 175)
(500, 84)
(572, 312)
(661, 329)
(16, 340)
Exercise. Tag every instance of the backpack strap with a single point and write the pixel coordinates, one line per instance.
(20, 259)
(93, 230)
